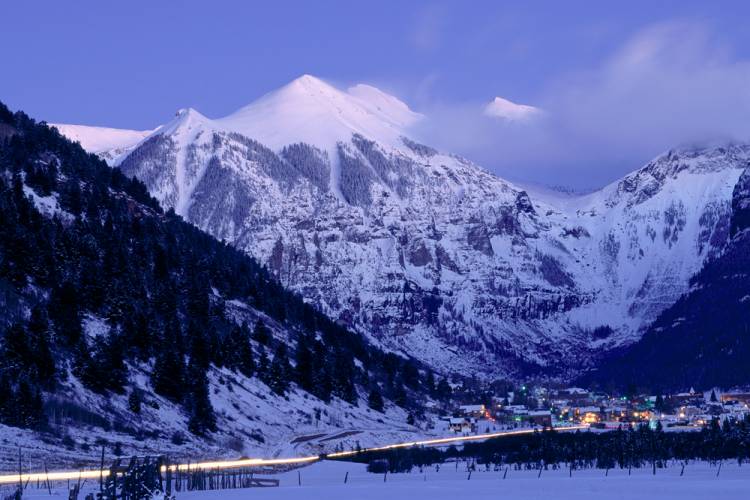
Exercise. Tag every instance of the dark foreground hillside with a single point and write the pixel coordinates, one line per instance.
(98, 287)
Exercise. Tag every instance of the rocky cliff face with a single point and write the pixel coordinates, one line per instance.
(741, 203)
(702, 339)
(431, 255)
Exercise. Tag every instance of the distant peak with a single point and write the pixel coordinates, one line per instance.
(183, 118)
(509, 110)
(307, 83)
(308, 79)
(188, 113)
(313, 111)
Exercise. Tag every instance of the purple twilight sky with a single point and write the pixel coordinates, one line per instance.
(617, 82)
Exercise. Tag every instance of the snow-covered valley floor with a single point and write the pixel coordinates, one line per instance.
(325, 480)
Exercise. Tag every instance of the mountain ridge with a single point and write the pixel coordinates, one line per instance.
(703, 339)
(431, 255)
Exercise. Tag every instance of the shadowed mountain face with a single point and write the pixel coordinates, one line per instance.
(426, 252)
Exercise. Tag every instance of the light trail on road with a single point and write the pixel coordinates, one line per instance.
(260, 462)
(448, 440)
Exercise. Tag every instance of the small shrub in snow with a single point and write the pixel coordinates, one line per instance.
(68, 442)
(235, 444)
(178, 438)
(379, 466)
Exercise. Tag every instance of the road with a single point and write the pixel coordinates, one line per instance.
(260, 462)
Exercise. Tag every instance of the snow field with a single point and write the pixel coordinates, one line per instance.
(325, 480)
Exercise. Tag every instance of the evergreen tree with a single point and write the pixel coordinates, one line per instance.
(444, 391)
(102, 367)
(304, 367)
(28, 406)
(168, 374)
(375, 400)
(135, 400)
(410, 374)
(201, 414)
(65, 313)
(238, 353)
(279, 372)
(7, 398)
(111, 358)
(70, 196)
(17, 351)
(399, 393)
(344, 376)
(245, 353)
(198, 404)
(323, 381)
(261, 333)
(263, 367)
(44, 361)
(429, 382)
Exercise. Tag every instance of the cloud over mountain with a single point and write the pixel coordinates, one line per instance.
(670, 83)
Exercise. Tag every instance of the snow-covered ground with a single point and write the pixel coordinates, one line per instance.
(252, 420)
(325, 480)
(109, 143)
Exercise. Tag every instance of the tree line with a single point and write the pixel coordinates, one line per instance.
(622, 448)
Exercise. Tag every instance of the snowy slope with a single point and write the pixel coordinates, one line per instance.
(426, 252)
(252, 421)
(109, 143)
(310, 110)
(651, 231)
(325, 480)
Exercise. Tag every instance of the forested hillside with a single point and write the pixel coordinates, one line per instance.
(96, 279)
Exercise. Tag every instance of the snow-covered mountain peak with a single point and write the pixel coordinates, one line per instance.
(508, 110)
(185, 119)
(306, 83)
(312, 111)
(701, 159)
(188, 113)
(308, 80)
(679, 168)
